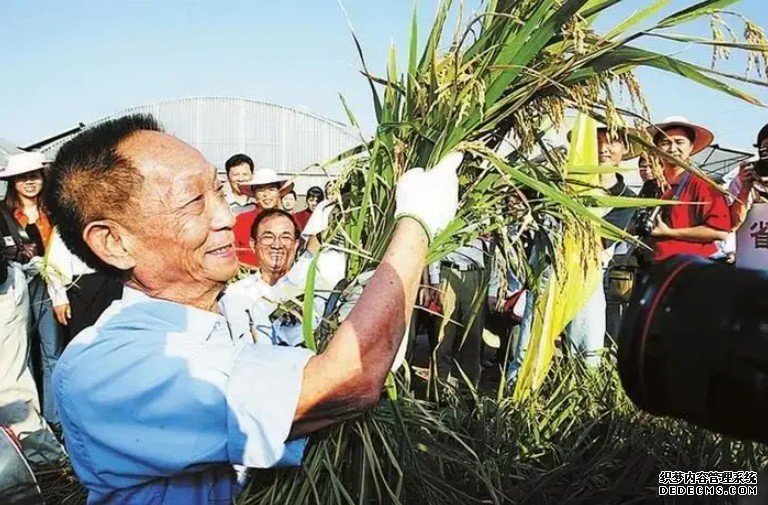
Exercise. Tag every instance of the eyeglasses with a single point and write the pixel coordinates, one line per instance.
(267, 239)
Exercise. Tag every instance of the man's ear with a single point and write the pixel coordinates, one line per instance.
(107, 240)
(253, 244)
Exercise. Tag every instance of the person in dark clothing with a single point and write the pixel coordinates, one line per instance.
(619, 217)
(79, 293)
(650, 188)
(619, 271)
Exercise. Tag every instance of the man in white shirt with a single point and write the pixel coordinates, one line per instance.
(281, 278)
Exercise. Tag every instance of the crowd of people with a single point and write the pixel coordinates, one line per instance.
(122, 328)
(702, 219)
(469, 313)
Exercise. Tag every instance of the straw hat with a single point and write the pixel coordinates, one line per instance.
(23, 163)
(268, 177)
(702, 137)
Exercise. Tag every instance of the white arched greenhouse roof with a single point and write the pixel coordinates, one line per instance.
(282, 138)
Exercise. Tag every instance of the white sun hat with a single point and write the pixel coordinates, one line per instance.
(267, 176)
(263, 177)
(702, 137)
(23, 163)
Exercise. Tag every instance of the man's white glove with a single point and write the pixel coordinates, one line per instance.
(318, 221)
(431, 197)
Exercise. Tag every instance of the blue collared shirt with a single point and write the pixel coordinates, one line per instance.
(159, 400)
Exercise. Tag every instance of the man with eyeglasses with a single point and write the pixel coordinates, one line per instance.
(281, 278)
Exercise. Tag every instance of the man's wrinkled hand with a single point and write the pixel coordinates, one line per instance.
(431, 197)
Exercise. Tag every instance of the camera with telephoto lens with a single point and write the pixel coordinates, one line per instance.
(694, 345)
(645, 221)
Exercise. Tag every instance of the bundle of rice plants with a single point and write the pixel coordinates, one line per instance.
(492, 90)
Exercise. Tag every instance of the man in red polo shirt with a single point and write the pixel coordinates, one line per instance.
(687, 229)
(268, 188)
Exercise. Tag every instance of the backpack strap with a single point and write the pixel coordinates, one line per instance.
(13, 227)
(681, 186)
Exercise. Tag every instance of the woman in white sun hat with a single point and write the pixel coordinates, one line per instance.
(687, 229)
(23, 202)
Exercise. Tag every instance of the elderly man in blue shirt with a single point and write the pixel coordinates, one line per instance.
(165, 394)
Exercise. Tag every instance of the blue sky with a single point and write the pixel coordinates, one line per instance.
(64, 62)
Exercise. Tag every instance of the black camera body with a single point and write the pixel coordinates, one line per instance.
(645, 221)
(760, 167)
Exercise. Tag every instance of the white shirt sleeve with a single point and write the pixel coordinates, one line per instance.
(734, 188)
(58, 268)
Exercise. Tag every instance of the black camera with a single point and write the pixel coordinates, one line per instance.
(694, 345)
(645, 221)
(760, 167)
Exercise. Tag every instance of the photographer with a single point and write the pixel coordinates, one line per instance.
(747, 210)
(686, 229)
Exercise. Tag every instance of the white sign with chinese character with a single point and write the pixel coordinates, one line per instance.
(752, 239)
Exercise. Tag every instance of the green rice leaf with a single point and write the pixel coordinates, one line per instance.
(694, 12)
(709, 42)
(308, 306)
(638, 17)
(632, 56)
